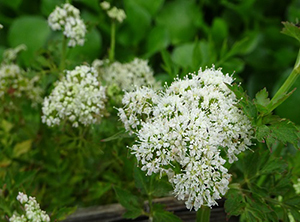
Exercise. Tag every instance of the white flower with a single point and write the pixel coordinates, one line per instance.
(127, 76)
(9, 55)
(33, 213)
(22, 198)
(105, 5)
(68, 19)
(117, 14)
(78, 98)
(1, 26)
(14, 83)
(183, 130)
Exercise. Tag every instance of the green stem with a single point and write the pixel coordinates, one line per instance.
(286, 86)
(203, 214)
(150, 197)
(112, 41)
(63, 53)
(150, 208)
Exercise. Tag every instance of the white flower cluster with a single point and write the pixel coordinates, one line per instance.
(113, 12)
(127, 76)
(68, 19)
(13, 83)
(33, 212)
(78, 98)
(9, 55)
(188, 131)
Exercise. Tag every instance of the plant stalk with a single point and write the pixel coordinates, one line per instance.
(286, 86)
(63, 54)
(203, 214)
(112, 41)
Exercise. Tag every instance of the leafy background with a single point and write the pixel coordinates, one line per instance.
(177, 37)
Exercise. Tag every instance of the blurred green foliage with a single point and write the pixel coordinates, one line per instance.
(176, 36)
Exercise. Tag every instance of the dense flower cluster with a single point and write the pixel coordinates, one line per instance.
(183, 130)
(15, 84)
(78, 98)
(113, 12)
(126, 76)
(68, 19)
(33, 212)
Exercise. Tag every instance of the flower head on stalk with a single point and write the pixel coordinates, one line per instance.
(14, 84)
(184, 130)
(33, 212)
(126, 76)
(114, 12)
(78, 98)
(10, 55)
(67, 18)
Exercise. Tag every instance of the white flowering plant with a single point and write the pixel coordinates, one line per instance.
(147, 106)
(33, 212)
(190, 131)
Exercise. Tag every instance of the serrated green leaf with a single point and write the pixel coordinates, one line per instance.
(244, 102)
(161, 187)
(291, 29)
(262, 100)
(255, 214)
(142, 181)
(163, 216)
(282, 130)
(132, 214)
(234, 204)
(273, 165)
(129, 201)
(294, 201)
(296, 214)
(21, 148)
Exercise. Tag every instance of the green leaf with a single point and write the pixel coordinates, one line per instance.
(262, 100)
(142, 181)
(138, 19)
(182, 55)
(238, 47)
(291, 29)
(130, 202)
(98, 190)
(244, 102)
(151, 6)
(132, 214)
(62, 212)
(14, 4)
(21, 148)
(277, 130)
(90, 50)
(6, 126)
(293, 202)
(234, 204)
(35, 32)
(219, 30)
(47, 6)
(160, 215)
(181, 19)
(296, 214)
(168, 65)
(157, 40)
